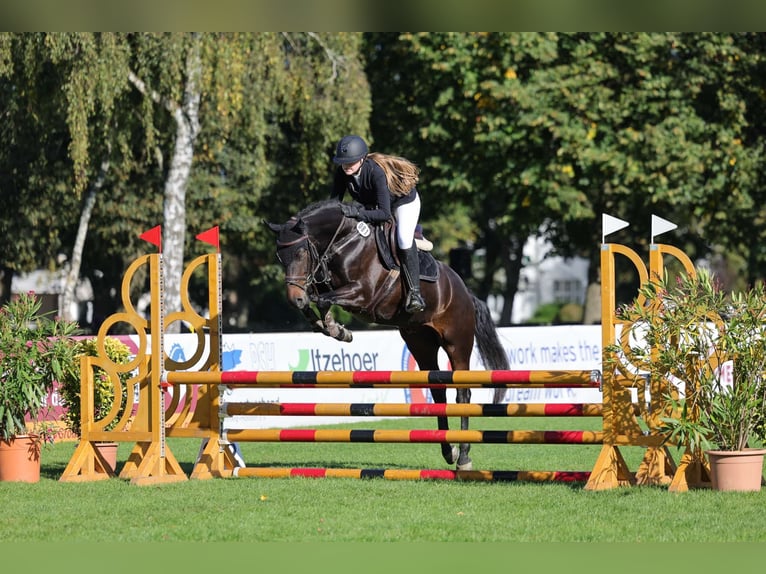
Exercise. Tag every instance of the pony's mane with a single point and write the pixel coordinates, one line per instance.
(318, 206)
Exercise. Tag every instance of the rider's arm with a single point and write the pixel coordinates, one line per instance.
(338, 185)
(376, 180)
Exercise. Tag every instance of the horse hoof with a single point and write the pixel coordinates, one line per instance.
(450, 456)
(466, 466)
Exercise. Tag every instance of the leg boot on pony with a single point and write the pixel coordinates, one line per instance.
(411, 271)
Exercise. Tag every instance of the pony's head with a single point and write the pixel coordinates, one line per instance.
(300, 240)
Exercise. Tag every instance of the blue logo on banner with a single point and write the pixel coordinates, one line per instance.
(231, 359)
(177, 353)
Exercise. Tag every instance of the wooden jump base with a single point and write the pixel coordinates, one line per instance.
(161, 412)
(402, 474)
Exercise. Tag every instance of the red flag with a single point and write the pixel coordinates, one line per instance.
(210, 237)
(153, 236)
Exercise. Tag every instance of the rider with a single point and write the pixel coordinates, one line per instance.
(383, 199)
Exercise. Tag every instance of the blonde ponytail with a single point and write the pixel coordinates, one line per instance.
(401, 173)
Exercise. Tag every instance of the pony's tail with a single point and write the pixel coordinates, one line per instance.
(491, 350)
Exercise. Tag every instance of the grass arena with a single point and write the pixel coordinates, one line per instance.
(157, 410)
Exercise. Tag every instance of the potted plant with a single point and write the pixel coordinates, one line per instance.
(35, 351)
(706, 350)
(103, 391)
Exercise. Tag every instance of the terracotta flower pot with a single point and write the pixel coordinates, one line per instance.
(20, 459)
(109, 451)
(736, 470)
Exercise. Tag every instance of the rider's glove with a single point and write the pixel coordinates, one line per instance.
(350, 210)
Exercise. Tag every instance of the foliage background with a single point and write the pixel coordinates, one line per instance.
(517, 135)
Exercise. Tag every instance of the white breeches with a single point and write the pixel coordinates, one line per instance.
(407, 216)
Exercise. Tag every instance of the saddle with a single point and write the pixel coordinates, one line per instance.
(385, 239)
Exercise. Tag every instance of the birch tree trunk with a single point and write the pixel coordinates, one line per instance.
(67, 309)
(186, 117)
(187, 129)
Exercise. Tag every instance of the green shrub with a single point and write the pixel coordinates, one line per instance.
(35, 351)
(103, 392)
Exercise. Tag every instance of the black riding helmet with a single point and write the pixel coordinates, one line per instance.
(350, 149)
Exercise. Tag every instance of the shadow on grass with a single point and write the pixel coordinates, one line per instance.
(52, 471)
(505, 476)
(333, 464)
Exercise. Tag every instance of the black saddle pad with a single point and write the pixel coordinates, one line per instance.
(384, 238)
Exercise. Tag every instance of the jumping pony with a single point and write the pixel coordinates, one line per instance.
(330, 259)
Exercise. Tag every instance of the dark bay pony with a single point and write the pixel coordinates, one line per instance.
(330, 259)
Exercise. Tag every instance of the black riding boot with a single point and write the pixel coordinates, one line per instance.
(411, 271)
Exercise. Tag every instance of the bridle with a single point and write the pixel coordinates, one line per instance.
(302, 282)
(319, 271)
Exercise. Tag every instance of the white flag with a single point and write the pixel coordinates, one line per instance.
(660, 225)
(611, 224)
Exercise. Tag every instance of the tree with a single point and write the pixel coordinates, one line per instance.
(183, 105)
(248, 114)
(300, 95)
(35, 199)
(458, 91)
(538, 134)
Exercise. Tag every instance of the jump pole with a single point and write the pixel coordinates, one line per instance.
(198, 417)
(405, 474)
(389, 379)
(412, 409)
(157, 464)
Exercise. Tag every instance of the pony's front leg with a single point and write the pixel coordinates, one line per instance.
(349, 298)
(314, 319)
(321, 320)
(336, 330)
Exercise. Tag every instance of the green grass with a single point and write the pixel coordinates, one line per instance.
(377, 510)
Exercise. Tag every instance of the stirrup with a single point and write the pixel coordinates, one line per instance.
(414, 303)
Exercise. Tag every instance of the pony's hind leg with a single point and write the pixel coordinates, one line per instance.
(449, 452)
(464, 461)
(424, 346)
